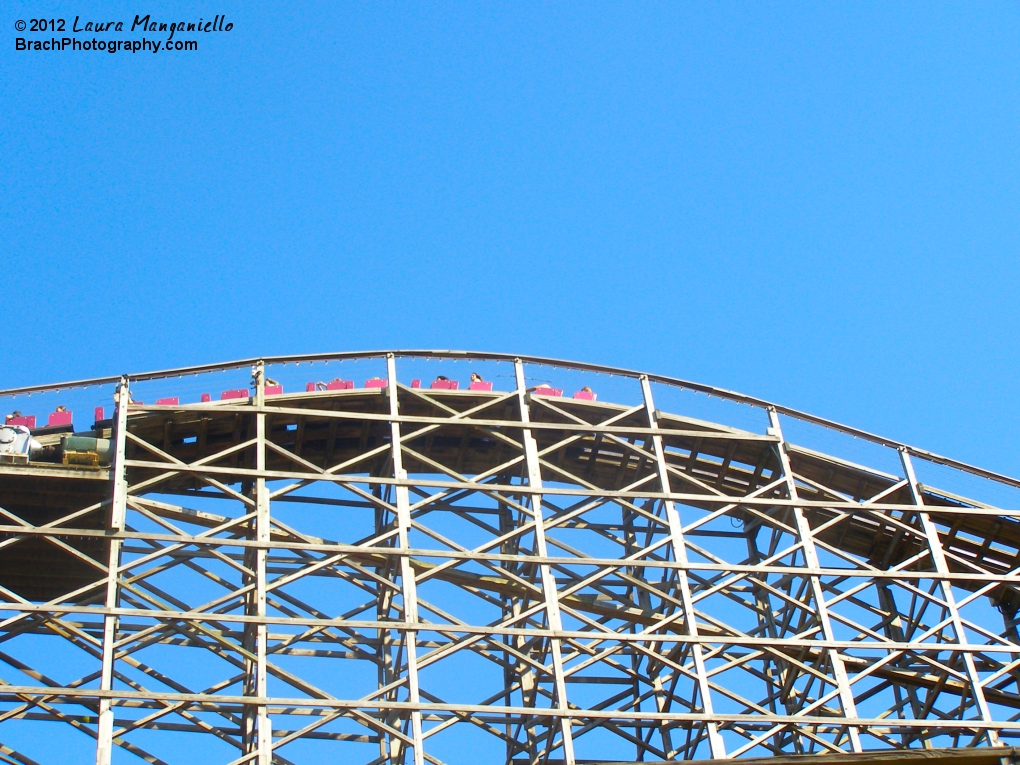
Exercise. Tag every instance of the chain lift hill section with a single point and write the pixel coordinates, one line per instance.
(491, 571)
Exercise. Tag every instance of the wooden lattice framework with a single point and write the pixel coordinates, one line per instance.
(378, 574)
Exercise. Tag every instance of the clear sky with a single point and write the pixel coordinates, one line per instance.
(812, 203)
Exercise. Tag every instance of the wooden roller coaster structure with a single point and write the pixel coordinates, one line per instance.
(404, 575)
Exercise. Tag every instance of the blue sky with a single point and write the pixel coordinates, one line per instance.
(812, 203)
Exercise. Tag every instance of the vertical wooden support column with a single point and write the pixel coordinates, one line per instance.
(264, 730)
(680, 556)
(407, 577)
(938, 557)
(118, 515)
(807, 542)
(384, 646)
(549, 586)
